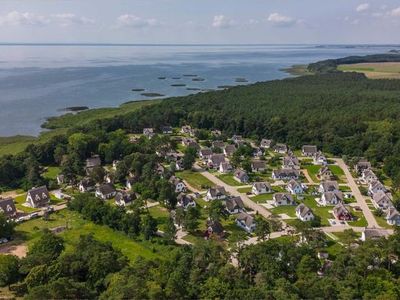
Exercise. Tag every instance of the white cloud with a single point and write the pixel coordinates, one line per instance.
(395, 12)
(135, 21)
(71, 19)
(363, 7)
(281, 20)
(222, 21)
(16, 18)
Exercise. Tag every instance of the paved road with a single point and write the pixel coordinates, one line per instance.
(357, 194)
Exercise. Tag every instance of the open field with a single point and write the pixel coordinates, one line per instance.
(229, 180)
(195, 179)
(388, 70)
(31, 230)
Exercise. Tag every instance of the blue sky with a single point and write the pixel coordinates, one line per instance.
(200, 21)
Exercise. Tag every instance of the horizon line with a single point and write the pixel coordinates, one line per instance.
(190, 44)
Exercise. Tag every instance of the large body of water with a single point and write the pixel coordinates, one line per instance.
(39, 81)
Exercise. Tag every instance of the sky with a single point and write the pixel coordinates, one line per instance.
(201, 21)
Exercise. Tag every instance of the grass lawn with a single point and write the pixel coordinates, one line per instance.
(228, 179)
(333, 248)
(195, 179)
(360, 219)
(244, 190)
(322, 212)
(31, 230)
(290, 210)
(262, 198)
(336, 171)
(313, 171)
(51, 173)
(374, 70)
(382, 222)
(21, 200)
(161, 214)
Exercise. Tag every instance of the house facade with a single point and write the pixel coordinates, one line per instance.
(259, 188)
(37, 197)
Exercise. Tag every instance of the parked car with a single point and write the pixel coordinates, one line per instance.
(33, 215)
(3, 241)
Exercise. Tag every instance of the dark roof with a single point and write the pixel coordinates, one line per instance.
(309, 149)
(233, 203)
(281, 196)
(93, 161)
(330, 186)
(246, 218)
(217, 159)
(240, 174)
(340, 209)
(7, 206)
(303, 210)
(184, 199)
(106, 188)
(262, 185)
(217, 191)
(258, 164)
(40, 196)
(87, 182)
(230, 149)
(125, 197)
(286, 173)
(215, 226)
(218, 144)
(206, 151)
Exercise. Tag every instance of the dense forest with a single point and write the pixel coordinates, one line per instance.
(342, 113)
(274, 269)
(330, 65)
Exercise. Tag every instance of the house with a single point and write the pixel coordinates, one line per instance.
(179, 165)
(178, 184)
(393, 216)
(60, 179)
(372, 234)
(241, 176)
(130, 181)
(190, 143)
(148, 132)
(368, 176)
(160, 170)
(258, 166)
(362, 165)
(105, 191)
(215, 160)
(259, 188)
(166, 129)
(320, 159)
(282, 199)
(187, 129)
(234, 205)
(205, 153)
(229, 150)
(125, 198)
(331, 198)
(115, 164)
(216, 193)
(328, 186)
(86, 185)
(294, 187)
(246, 222)
(92, 162)
(291, 162)
(341, 213)
(280, 148)
(381, 200)
(258, 152)
(285, 174)
(7, 207)
(214, 228)
(325, 174)
(376, 186)
(304, 213)
(309, 150)
(37, 197)
(237, 139)
(265, 144)
(225, 167)
(216, 132)
(218, 144)
(185, 201)
(109, 178)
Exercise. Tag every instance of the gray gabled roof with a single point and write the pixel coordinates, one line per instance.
(262, 185)
(246, 219)
(93, 161)
(240, 174)
(281, 196)
(310, 149)
(330, 185)
(106, 189)
(7, 206)
(40, 196)
(233, 203)
(217, 191)
(303, 209)
(125, 197)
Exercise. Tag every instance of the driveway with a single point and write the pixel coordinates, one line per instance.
(357, 194)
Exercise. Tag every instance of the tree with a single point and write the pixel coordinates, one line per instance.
(6, 227)
(263, 229)
(349, 236)
(190, 222)
(97, 174)
(189, 158)
(9, 269)
(149, 226)
(216, 211)
(170, 231)
(180, 216)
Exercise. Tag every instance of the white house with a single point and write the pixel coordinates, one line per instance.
(124, 199)
(86, 185)
(259, 188)
(265, 143)
(285, 174)
(246, 222)
(105, 191)
(294, 187)
(216, 193)
(234, 205)
(328, 186)
(291, 162)
(225, 167)
(185, 201)
(205, 153)
(280, 148)
(241, 176)
(381, 200)
(7, 207)
(258, 166)
(304, 213)
(309, 150)
(215, 160)
(282, 199)
(178, 183)
(368, 176)
(320, 159)
(331, 198)
(375, 187)
(392, 216)
(37, 197)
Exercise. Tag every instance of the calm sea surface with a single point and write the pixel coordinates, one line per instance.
(39, 81)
